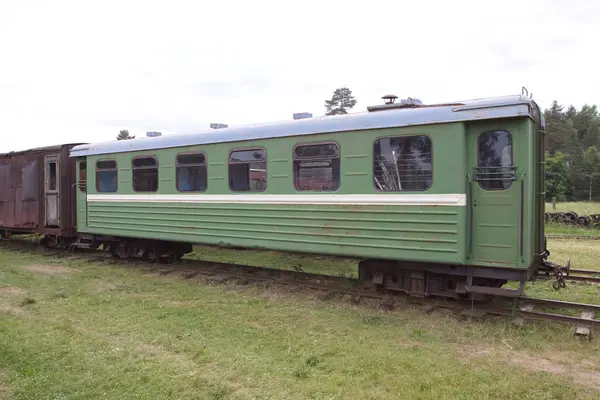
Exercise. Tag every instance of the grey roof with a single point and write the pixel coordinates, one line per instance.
(479, 109)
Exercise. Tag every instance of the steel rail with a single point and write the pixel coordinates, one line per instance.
(584, 271)
(559, 304)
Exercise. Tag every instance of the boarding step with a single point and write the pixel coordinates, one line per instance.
(82, 244)
(494, 291)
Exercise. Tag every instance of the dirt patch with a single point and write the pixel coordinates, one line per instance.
(11, 290)
(7, 299)
(270, 295)
(101, 286)
(153, 350)
(45, 269)
(576, 371)
(4, 389)
(11, 309)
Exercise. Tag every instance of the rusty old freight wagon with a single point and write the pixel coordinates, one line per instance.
(37, 192)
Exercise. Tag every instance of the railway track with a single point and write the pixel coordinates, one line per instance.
(584, 275)
(217, 272)
(579, 275)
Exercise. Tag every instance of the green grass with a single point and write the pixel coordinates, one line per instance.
(564, 229)
(78, 330)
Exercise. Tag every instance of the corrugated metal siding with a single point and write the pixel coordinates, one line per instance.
(20, 191)
(409, 233)
(27, 194)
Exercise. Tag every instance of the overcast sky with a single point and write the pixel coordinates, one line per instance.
(71, 71)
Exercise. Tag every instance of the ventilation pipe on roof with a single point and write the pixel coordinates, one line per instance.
(390, 103)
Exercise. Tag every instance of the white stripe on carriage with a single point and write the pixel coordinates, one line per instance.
(459, 200)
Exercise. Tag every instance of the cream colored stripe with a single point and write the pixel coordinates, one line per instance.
(334, 199)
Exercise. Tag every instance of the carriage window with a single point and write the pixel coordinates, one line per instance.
(191, 172)
(145, 174)
(495, 168)
(248, 170)
(106, 176)
(317, 167)
(4, 180)
(52, 175)
(402, 163)
(83, 175)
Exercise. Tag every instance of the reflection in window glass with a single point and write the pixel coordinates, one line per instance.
(495, 160)
(52, 175)
(145, 174)
(403, 163)
(106, 176)
(317, 167)
(248, 170)
(191, 172)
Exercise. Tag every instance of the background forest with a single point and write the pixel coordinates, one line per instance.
(573, 158)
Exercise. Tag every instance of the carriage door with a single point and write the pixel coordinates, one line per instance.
(494, 197)
(51, 191)
(81, 194)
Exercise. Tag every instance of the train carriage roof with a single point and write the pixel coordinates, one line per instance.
(479, 109)
(45, 149)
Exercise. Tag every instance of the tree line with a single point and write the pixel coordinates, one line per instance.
(572, 153)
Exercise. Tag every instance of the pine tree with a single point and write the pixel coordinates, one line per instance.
(557, 177)
(124, 135)
(341, 101)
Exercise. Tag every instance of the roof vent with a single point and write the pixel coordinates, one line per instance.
(390, 98)
(218, 126)
(390, 103)
(302, 115)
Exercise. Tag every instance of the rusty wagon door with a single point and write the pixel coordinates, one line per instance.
(22, 193)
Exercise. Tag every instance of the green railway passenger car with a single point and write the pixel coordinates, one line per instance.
(434, 199)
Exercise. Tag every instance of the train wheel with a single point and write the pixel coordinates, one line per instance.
(121, 250)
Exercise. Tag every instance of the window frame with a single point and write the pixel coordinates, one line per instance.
(177, 165)
(512, 161)
(82, 183)
(106, 169)
(338, 156)
(133, 168)
(377, 190)
(229, 163)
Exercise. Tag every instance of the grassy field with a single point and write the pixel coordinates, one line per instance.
(70, 329)
(563, 229)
